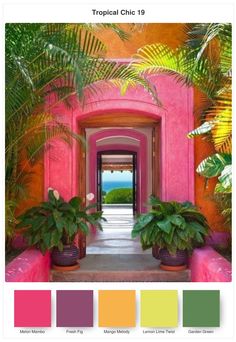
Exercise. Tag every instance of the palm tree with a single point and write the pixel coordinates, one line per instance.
(204, 61)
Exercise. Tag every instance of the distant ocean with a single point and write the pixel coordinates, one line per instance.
(108, 186)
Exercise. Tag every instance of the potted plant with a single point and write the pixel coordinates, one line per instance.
(175, 227)
(54, 224)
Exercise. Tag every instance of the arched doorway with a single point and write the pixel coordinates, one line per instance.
(136, 140)
(135, 143)
(65, 167)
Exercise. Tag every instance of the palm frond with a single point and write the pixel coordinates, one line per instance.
(221, 113)
(122, 34)
(201, 37)
(121, 75)
(180, 64)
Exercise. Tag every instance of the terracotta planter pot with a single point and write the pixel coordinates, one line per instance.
(67, 257)
(178, 259)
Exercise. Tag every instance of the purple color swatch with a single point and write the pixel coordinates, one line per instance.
(74, 308)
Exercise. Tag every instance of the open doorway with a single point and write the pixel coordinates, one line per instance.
(117, 186)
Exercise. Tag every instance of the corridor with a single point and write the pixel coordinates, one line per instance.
(116, 235)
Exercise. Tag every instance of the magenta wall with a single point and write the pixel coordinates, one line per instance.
(29, 266)
(207, 265)
(176, 118)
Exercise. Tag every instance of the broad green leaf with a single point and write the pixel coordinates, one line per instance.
(75, 202)
(177, 220)
(71, 228)
(165, 225)
(142, 222)
(55, 238)
(66, 207)
(198, 228)
(169, 237)
(213, 166)
(84, 228)
(47, 240)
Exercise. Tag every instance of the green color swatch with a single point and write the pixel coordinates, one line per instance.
(159, 308)
(201, 308)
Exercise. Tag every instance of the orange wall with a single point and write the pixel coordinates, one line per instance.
(172, 35)
(35, 187)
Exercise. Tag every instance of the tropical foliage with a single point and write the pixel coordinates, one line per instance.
(56, 222)
(119, 196)
(204, 61)
(219, 114)
(171, 225)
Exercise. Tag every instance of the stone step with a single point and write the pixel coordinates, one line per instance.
(120, 268)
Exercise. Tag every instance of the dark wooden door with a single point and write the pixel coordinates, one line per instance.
(135, 183)
(99, 181)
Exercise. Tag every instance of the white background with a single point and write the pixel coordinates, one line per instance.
(80, 11)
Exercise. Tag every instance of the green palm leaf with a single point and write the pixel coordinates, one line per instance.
(180, 64)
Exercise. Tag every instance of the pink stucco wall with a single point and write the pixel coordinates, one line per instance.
(29, 266)
(207, 265)
(176, 117)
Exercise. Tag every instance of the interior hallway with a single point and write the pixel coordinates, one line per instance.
(116, 235)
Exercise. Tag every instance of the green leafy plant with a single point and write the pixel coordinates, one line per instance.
(171, 225)
(119, 196)
(56, 222)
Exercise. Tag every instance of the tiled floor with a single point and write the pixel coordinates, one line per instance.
(112, 255)
(116, 235)
(118, 217)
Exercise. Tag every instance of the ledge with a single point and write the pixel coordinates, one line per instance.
(120, 268)
(207, 265)
(29, 266)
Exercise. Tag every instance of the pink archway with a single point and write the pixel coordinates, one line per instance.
(176, 117)
(141, 162)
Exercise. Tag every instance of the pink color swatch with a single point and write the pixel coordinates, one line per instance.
(32, 308)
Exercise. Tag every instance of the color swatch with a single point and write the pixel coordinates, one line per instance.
(201, 308)
(32, 308)
(116, 308)
(159, 308)
(74, 308)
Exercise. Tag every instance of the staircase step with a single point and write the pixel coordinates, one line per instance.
(120, 268)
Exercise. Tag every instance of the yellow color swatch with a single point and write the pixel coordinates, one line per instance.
(116, 308)
(159, 308)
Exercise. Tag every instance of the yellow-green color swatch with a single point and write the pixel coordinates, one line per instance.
(159, 308)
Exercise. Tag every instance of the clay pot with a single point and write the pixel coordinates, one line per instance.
(67, 257)
(178, 259)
